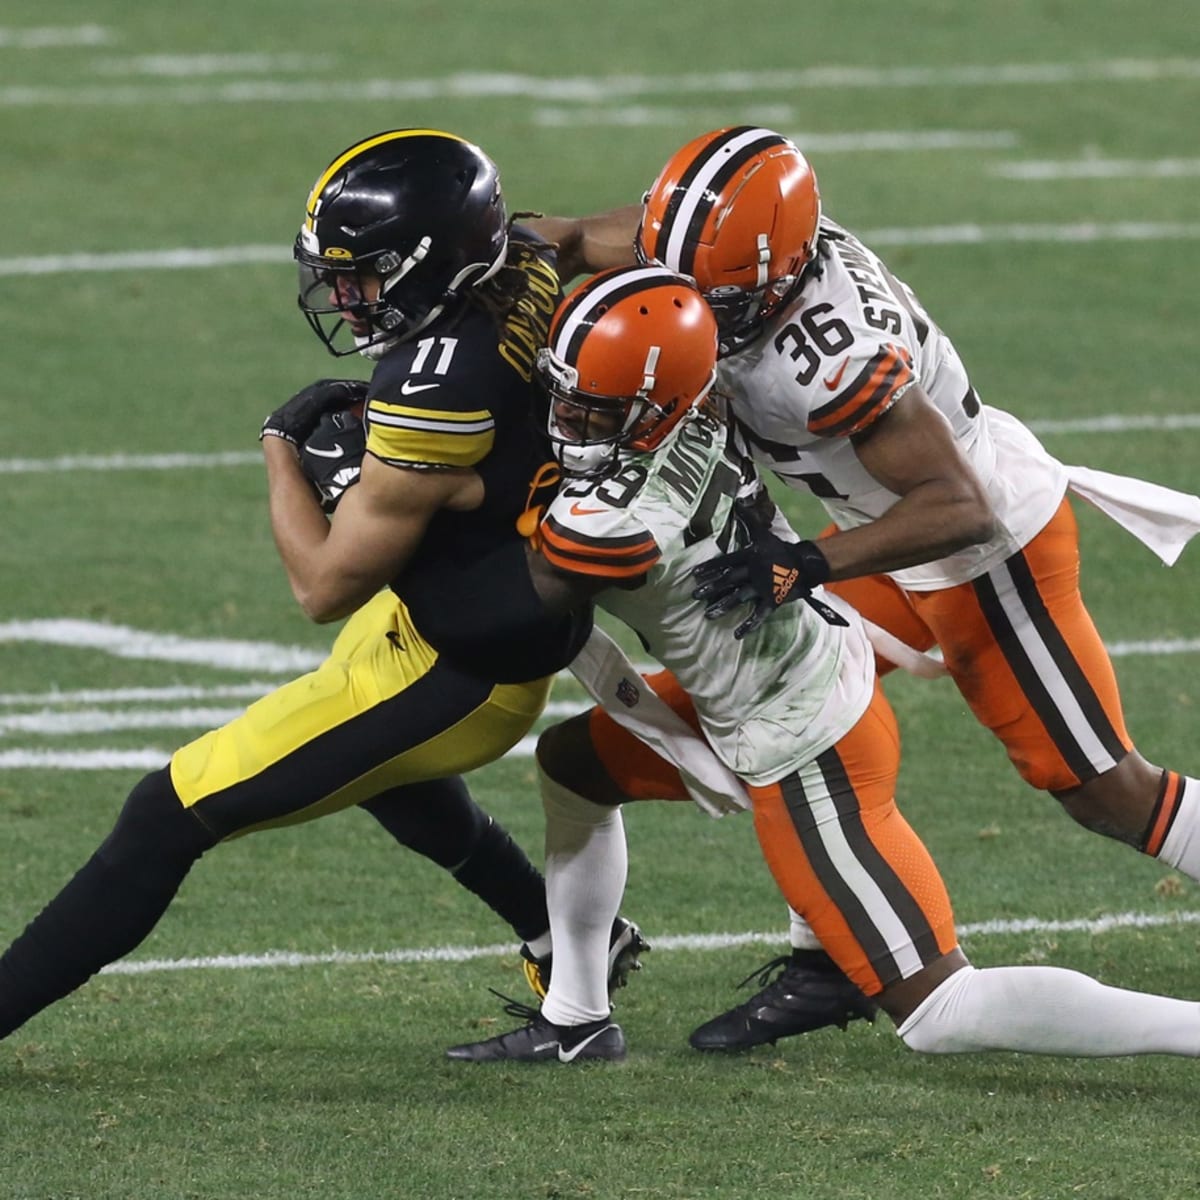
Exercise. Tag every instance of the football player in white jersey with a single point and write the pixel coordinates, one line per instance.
(653, 477)
(953, 526)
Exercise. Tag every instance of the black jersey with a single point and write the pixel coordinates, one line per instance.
(461, 395)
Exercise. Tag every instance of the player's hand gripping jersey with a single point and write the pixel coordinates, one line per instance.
(766, 703)
(834, 361)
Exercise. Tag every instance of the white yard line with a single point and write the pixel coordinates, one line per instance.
(1152, 648)
(190, 66)
(1115, 423)
(688, 941)
(124, 642)
(144, 260)
(1112, 423)
(49, 37)
(965, 234)
(145, 759)
(134, 695)
(128, 462)
(95, 720)
(1033, 170)
(604, 89)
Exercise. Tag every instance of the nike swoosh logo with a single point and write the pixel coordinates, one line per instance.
(336, 452)
(408, 388)
(573, 1053)
(832, 381)
(576, 511)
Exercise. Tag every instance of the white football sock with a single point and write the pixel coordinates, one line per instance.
(541, 945)
(800, 933)
(1048, 1010)
(1181, 847)
(586, 864)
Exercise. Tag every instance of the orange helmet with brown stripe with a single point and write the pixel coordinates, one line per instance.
(738, 210)
(630, 352)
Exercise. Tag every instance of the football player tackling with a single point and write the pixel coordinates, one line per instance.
(953, 523)
(655, 487)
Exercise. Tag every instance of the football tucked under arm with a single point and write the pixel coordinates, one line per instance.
(331, 457)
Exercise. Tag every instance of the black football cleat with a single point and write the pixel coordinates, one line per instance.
(625, 947)
(809, 992)
(539, 1040)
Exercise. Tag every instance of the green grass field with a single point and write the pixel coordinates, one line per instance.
(1031, 168)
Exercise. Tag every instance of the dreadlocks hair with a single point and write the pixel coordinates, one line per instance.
(503, 294)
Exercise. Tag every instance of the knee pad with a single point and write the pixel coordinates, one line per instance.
(553, 753)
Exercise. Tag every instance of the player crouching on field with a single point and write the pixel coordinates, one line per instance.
(655, 486)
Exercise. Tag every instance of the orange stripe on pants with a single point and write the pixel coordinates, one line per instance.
(1169, 792)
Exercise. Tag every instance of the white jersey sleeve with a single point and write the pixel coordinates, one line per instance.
(767, 703)
(834, 361)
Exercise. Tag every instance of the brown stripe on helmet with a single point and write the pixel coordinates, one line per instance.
(704, 208)
(576, 304)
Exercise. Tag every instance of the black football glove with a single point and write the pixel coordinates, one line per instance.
(295, 420)
(767, 572)
(331, 458)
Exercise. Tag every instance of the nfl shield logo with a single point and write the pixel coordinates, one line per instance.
(627, 693)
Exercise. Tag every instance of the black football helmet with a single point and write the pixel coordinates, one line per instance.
(396, 229)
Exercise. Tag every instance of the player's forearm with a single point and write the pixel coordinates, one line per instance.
(300, 530)
(557, 591)
(943, 506)
(592, 243)
(932, 521)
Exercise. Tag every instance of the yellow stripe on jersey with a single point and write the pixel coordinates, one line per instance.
(432, 437)
(361, 148)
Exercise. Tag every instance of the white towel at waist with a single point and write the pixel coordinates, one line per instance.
(614, 683)
(617, 686)
(1159, 517)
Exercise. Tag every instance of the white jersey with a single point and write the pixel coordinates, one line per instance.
(768, 703)
(838, 357)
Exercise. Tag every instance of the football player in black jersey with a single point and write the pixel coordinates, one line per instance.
(406, 255)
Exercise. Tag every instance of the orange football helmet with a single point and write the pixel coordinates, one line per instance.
(737, 209)
(630, 351)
